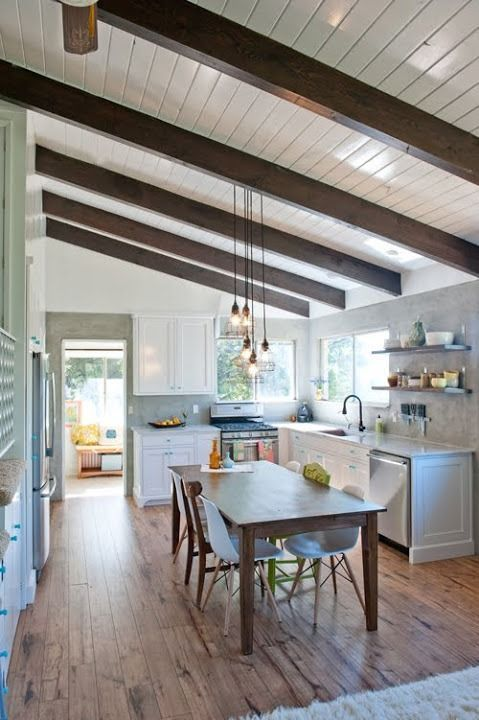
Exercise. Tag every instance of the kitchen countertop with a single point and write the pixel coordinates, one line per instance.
(385, 442)
(148, 430)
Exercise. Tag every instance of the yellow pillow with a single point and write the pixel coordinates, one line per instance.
(86, 434)
(315, 471)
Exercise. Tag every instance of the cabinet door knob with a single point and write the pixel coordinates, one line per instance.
(14, 538)
(4, 654)
(352, 467)
(3, 570)
(17, 526)
(3, 612)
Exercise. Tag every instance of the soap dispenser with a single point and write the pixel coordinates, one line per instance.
(379, 425)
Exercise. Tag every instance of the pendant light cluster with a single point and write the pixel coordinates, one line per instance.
(241, 323)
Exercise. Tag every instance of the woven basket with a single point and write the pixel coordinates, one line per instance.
(10, 473)
(4, 543)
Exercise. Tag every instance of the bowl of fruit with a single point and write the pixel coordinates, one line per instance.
(167, 423)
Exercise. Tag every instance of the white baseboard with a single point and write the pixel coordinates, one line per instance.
(142, 500)
(440, 552)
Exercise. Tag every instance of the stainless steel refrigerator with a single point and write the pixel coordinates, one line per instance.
(43, 448)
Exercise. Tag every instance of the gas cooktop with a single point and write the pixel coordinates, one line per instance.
(247, 426)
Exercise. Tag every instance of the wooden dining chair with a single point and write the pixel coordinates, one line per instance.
(194, 531)
(326, 544)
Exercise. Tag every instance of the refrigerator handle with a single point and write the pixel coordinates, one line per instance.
(51, 414)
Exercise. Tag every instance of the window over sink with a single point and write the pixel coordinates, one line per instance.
(348, 366)
(234, 386)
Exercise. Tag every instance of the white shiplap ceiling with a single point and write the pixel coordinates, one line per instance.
(425, 52)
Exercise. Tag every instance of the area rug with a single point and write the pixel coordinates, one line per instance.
(443, 697)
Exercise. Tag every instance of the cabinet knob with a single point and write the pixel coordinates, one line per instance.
(3, 612)
(3, 570)
(17, 526)
(352, 467)
(14, 538)
(178, 387)
(4, 654)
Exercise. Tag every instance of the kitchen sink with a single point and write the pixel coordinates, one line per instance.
(338, 432)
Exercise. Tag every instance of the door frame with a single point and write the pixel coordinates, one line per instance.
(98, 341)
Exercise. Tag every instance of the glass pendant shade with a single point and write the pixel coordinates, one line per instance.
(266, 360)
(246, 350)
(235, 316)
(252, 366)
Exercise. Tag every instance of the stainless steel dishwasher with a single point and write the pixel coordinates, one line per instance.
(390, 485)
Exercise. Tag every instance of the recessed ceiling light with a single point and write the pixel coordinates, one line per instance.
(386, 248)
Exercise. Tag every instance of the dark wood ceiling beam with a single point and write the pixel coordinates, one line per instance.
(140, 130)
(134, 192)
(89, 240)
(103, 221)
(240, 52)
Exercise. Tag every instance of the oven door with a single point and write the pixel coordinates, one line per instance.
(250, 450)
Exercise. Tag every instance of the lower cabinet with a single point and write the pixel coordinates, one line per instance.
(441, 507)
(441, 492)
(155, 453)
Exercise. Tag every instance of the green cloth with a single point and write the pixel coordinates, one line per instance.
(315, 471)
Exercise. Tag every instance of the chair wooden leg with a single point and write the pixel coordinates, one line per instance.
(212, 583)
(317, 577)
(180, 543)
(333, 573)
(268, 591)
(296, 578)
(355, 582)
(231, 581)
(201, 575)
(189, 557)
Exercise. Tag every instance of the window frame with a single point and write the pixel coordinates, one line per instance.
(353, 335)
(255, 398)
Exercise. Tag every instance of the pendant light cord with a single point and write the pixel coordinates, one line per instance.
(251, 260)
(234, 242)
(262, 262)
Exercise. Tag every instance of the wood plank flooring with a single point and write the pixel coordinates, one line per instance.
(114, 634)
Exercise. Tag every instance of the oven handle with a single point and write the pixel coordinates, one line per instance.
(250, 441)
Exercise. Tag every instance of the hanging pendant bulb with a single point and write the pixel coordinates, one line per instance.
(246, 350)
(252, 366)
(235, 316)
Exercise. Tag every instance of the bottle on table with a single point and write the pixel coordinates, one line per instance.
(214, 456)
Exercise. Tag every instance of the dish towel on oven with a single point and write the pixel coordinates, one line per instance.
(238, 451)
(265, 450)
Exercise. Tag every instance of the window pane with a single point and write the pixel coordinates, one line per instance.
(233, 385)
(279, 384)
(337, 367)
(371, 369)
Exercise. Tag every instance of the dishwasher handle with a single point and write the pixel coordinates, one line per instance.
(388, 461)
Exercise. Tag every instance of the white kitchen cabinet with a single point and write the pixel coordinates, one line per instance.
(441, 507)
(173, 355)
(441, 482)
(154, 452)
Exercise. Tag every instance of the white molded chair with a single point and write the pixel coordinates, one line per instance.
(333, 544)
(226, 549)
(293, 465)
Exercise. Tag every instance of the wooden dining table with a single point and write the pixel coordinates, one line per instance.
(271, 501)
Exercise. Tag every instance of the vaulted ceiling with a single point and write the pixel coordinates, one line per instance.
(424, 53)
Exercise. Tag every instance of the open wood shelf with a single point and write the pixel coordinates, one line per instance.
(423, 349)
(97, 472)
(443, 391)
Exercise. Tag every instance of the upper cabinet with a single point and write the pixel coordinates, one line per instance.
(173, 355)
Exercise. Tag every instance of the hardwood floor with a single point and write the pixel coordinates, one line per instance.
(114, 634)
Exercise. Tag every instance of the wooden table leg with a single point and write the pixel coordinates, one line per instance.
(369, 541)
(175, 520)
(247, 589)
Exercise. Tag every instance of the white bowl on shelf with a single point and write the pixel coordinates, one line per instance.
(439, 338)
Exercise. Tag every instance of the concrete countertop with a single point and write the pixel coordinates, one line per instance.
(148, 430)
(385, 442)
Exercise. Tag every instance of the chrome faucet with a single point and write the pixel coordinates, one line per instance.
(361, 426)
